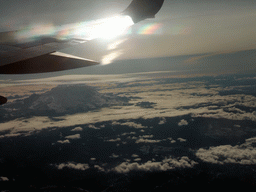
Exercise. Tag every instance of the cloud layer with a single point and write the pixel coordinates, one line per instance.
(72, 165)
(209, 97)
(164, 165)
(244, 154)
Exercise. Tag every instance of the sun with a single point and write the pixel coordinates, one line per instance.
(109, 28)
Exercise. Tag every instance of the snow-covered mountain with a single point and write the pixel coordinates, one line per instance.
(66, 99)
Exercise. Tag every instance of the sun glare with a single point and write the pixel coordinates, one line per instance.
(107, 28)
(110, 27)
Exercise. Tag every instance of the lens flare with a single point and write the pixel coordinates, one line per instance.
(107, 28)
(152, 28)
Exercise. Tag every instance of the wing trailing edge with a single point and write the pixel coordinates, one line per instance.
(46, 63)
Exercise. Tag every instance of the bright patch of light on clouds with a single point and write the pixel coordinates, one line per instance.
(114, 45)
(107, 59)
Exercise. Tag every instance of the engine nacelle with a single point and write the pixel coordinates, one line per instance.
(139, 10)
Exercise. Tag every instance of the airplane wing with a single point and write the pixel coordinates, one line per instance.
(39, 56)
(22, 52)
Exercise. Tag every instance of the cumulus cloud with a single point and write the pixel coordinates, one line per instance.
(114, 155)
(135, 155)
(182, 140)
(131, 133)
(129, 137)
(10, 135)
(130, 124)
(171, 140)
(147, 136)
(4, 179)
(239, 154)
(99, 168)
(142, 140)
(76, 136)
(163, 121)
(228, 108)
(77, 129)
(165, 165)
(93, 127)
(183, 122)
(114, 140)
(72, 165)
(63, 141)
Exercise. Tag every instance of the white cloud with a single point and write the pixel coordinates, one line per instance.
(238, 154)
(77, 129)
(99, 168)
(163, 121)
(131, 133)
(171, 140)
(135, 155)
(72, 165)
(141, 140)
(125, 167)
(4, 179)
(114, 140)
(10, 135)
(165, 165)
(130, 124)
(182, 140)
(93, 127)
(76, 136)
(63, 141)
(183, 122)
(114, 155)
(147, 136)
